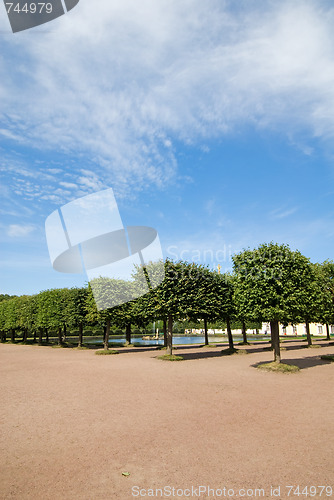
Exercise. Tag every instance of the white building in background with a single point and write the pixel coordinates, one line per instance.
(300, 329)
(289, 330)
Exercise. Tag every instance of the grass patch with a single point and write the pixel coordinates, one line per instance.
(314, 346)
(243, 343)
(229, 351)
(106, 352)
(279, 367)
(170, 357)
(328, 357)
(82, 347)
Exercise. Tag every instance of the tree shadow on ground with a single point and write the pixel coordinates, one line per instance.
(302, 363)
(294, 347)
(125, 349)
(217, 353)
(305, 346)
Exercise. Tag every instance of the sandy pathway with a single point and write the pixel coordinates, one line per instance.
(72, 422)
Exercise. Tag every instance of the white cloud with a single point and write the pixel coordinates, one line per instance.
(282, 212)
(68, 185)
(9, 135)
(209, 206)
(19, 231)
(122, 82)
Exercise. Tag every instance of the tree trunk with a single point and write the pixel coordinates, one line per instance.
(308, 335)
(170, 335)
(104, 333)
(12, 335)
(3, 336)
(229, 333)
(35, 335)
(206, 332)
(244, 334)
(274, 330)
(80, 335)
(64, 335)
(60, 338)
(128, 334)
(25, 335)
(40, 336)
(327, 331)
(165, 332)
(106, 337)
(47, 335)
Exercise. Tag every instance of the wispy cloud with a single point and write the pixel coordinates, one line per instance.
(19, 231)
(126, 81)
(282, 212)
(209, 206)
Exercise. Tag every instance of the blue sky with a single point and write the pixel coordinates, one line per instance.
(212, 121)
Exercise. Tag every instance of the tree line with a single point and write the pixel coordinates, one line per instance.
(271, 283)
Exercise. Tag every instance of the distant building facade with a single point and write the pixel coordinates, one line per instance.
(289, 330)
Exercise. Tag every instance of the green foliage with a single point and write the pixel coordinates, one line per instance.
(74, 300)
(274, 283)
(51, 307)
(27, 312)
(188, 292)
(108, 292)
(325, 277)
(5, 296)
(270, 283)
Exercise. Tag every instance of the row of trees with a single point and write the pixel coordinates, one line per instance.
(271, 283)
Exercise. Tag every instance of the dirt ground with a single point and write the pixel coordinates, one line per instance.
(73, 422)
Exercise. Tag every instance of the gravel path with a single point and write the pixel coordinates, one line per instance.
(72, 422)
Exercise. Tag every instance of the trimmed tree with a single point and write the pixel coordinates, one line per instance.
(115, 296)
(75, 309)
(273, 283)
(51, 307)
(325, 274)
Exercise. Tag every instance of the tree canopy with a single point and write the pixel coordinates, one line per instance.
(270, 283)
